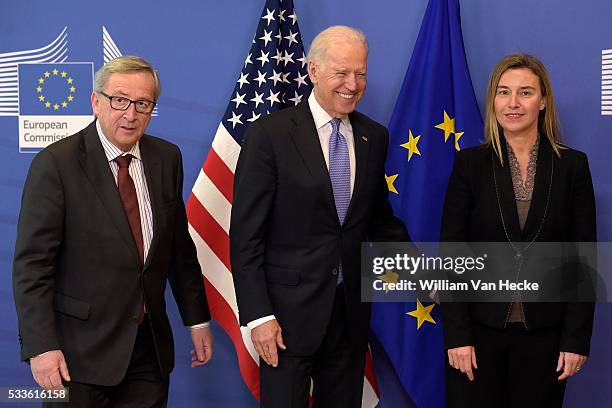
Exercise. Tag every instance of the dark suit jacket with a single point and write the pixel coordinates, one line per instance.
(472, 213)
(77, 278)
(286, 240)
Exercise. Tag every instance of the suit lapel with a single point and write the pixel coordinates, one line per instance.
(95, 165)
(505, 195)
(153, 169)
(362, 148)
(306, 140)
(541, 188)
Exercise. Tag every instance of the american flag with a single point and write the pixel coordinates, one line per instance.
(274, 76)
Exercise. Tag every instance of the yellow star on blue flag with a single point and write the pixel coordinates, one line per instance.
(422, 313)
(412, 145)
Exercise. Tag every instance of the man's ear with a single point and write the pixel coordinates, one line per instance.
(313, 72)
(95, 103)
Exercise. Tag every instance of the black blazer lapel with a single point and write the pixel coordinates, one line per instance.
(362, 148)
(541, 190)
(307, 143)
(505, 194)
(95, 165)
(153, 174)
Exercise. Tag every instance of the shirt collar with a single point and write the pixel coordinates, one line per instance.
(320, 116)
(113, 151)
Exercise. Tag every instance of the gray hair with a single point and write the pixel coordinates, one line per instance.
(333, 34)
(127, 63)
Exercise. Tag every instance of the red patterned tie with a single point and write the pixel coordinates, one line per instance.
(127, 191)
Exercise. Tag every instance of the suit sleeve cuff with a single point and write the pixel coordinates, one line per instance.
(253, 324)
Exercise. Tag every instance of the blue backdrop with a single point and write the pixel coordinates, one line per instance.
(199, 48)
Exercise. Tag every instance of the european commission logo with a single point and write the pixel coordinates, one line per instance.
(49, 95)
(54, 102)
(606, 82)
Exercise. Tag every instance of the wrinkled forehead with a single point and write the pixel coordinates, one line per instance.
(343, 51)
(137, 84)
(343, 44)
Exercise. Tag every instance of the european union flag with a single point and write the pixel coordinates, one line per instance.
(55, 89)
(436, 115)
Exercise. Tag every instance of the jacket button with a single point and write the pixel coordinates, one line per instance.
(335, 271)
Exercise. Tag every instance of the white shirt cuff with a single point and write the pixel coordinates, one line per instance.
(42, 354)
(253, 324)
(200, 326)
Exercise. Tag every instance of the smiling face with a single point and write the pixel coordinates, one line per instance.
(518, 102)
(339, 78)
(124, 128)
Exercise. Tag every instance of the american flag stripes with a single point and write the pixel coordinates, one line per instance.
(274, 76)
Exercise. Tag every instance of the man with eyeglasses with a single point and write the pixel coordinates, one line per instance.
(102, 228)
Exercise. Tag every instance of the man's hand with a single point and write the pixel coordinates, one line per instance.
(266, 337)
(464, 359)
(570, 363)
(48, 370)
(202, 352)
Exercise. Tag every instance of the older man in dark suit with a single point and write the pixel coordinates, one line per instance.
(102, 229)
(309, 188)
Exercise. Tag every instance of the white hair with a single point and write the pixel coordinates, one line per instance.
(331, 35)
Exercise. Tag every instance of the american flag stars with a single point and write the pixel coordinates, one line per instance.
(274, 74)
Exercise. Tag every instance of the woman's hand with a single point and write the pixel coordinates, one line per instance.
(464, 359)
(570, 364)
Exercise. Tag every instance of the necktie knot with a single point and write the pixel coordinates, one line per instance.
(123, 161)
(335, 123)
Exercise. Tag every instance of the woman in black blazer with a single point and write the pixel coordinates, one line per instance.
(520, 186)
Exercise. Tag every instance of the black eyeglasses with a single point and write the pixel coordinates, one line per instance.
(123, 103)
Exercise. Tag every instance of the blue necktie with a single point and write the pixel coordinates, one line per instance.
(339, 174)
